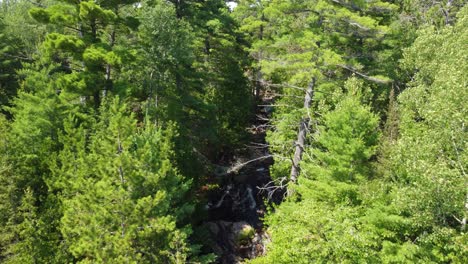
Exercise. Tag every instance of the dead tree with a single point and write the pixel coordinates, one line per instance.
(302, 133)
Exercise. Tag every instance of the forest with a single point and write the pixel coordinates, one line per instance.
(248, 131)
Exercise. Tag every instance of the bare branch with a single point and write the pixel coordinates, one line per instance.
(283, 85)
(277, 105)
(271, 187)
(254, 128)
(348, 5)
(17, 57)
(302, 11)
(287, 95)
(358, 25)
(74, 28)
(224, 171)
(369, 78)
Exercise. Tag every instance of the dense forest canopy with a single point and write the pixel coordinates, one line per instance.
(249, 131)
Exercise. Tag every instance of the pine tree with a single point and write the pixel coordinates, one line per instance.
(428, 160)
(31, 140)
(191, 81)
(309, 49)
(86, 44)
(331, 190)
(125, 207)
(25, 250)
(170, 83)
(348, 138)
(10, 61)
(225, 91)
(50, 91)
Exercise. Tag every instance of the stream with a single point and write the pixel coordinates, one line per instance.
(236, 208)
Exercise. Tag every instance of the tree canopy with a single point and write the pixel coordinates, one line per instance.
(257, 131)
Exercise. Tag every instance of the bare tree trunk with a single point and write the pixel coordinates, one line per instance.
(302, 134)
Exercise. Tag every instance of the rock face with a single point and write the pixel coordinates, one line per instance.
(235, 241)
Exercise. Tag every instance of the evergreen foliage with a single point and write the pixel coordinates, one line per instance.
(320, 222)
(115, 116)
(85, 47)
(415, 213)
(9, 62)
(125, 207)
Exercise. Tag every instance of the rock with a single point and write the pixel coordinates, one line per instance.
(240, 177)
(232, 240)
(213, 227)
(259, 244)
(242, 233)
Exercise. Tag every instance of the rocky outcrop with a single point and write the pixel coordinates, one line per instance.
(236, 208)
(236, 241)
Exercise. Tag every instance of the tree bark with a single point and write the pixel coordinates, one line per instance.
(302, 134)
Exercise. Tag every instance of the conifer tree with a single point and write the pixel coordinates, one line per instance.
(348, 138)
(429, 161)
(51, 90)
(190, 80)
(10, 61)
(122, 197)
(170, 83)
(86, 44)
(225, 91)
(309, 49)
(31, 140)
(330, 191)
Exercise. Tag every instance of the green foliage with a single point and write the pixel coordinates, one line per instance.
(415, 213)
(110, 107)
(186, 77)
(226, 89)
(125, 206)
(429, 161)
(348, 138)
(86, 44)
(310, 231)
(15, 16)
(330, 192)
(29, 142)
(296, 42)
(169, 85)
(10, 61)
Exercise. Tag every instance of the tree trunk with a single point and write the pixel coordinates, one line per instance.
(259, 75)
(109, 84)
(302, 134)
